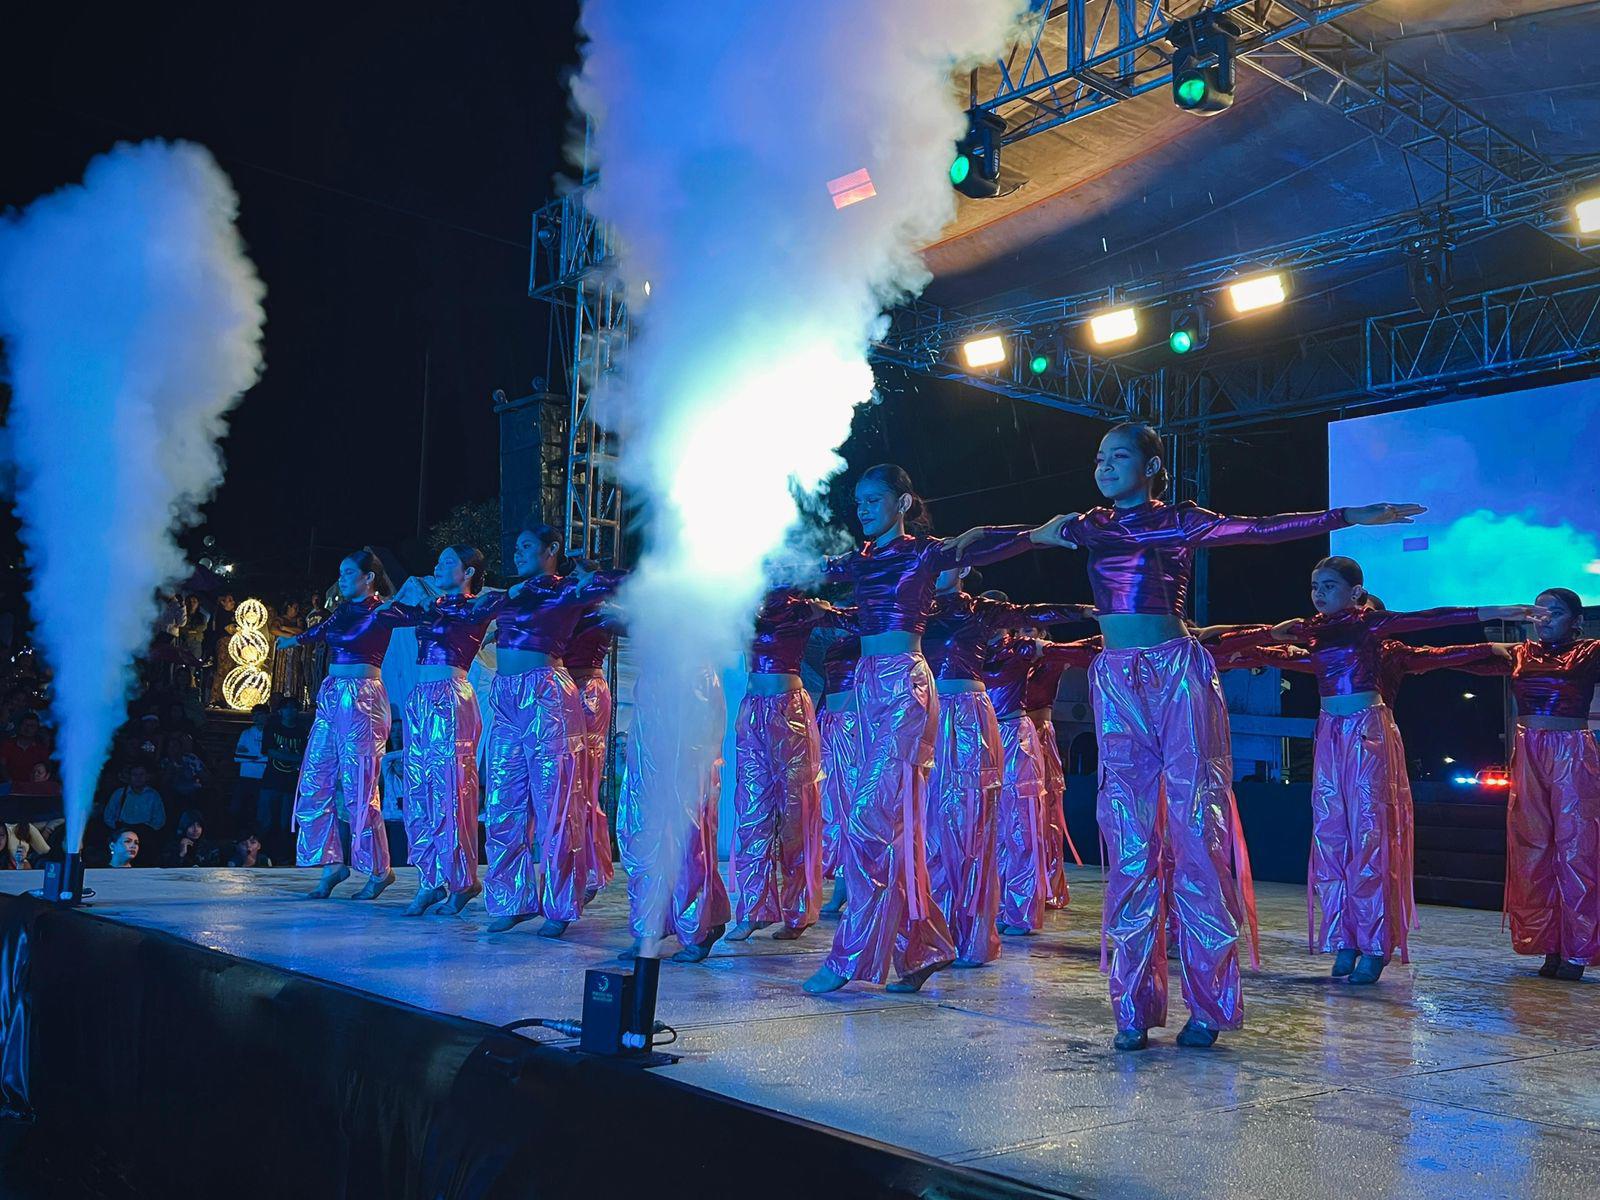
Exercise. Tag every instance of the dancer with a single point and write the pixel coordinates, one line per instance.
(891, 919)
(1553, 811)
(442, 729)
(1165, 764)
(344, 749)
(1360, 872)
(1023, 829)
(538, 819)
(670, 853)
(839, 742)
(777, 837)
(585, 658)
(1039, 698)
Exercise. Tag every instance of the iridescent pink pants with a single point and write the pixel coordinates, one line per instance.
(537, 827)
(344, 755)
(1165, 781)
(441, 802)
(698, 903)
(841, 747)
(891, 919)
(777, 837)
(596, 694)
(1024, 877)
(1553, 844)
(962, 791)
(1058, 842)
(1359, 877)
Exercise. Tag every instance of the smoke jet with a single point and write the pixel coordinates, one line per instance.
(132, 322)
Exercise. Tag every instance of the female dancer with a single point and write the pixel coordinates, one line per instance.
(891, 918)
(1360, 871)
(585, 658)
(839, 742)
(1164, 734)
(1039, 698)
(777, 837)
(344, 749)
(538, 825)
(696, 909)
(970, 761)
(442, 729)
(1023, 863)
(1553, 812)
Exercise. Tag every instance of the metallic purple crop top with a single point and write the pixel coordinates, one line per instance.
(783, 626)
(1546, 681)
(839, 665)
(1396, 661)
(1006, 668)
(961, 627)
(1142, 558)
(356, 633)
(544, 615)
(1347, 647)
(590, 643)
(894, 583)
(449, 631)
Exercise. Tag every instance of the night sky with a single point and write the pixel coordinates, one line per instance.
(388, 160)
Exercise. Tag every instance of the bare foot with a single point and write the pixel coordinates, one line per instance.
(914, 981)
(553, 928)
(824, 981)
(458, 901)
(967, 964)
(376, 886)
(501, 924)
(701, 950)
(425, 899)
(742, 931)
(332, 876)
(788, 933)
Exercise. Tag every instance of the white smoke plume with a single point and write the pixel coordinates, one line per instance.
(717, 127)
(132, 324)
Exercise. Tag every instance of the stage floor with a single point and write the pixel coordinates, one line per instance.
(1461, 1076)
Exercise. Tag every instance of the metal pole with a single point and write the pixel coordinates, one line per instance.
(422, 454)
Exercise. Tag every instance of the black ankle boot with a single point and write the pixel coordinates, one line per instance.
(1196, 1035)
(1368, 968)
(1552, 964)
(1343, 963)
(1131, 1039)
(1570, 971)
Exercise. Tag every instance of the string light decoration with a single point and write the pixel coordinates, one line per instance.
(248, 684)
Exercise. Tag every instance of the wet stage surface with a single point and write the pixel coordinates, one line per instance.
(1460, 1076)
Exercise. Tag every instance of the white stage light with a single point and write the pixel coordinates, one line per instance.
(984, 351)
(1261, 292)
(1115, 325)
(1588, 214)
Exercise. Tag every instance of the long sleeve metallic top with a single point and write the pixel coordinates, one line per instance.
(1044, 677)
(1141, 559)
(894, 583)
(1546, 680)
(590, 643)
(960, 628)
(783, 625)
(449, 630)
(543, 616)
(1006, 667)
(1346, 647)
(839, 665)
(356, 633)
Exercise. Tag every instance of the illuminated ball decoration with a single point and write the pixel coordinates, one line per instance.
(248, 684)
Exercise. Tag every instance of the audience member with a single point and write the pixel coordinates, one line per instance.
(24, 750)
(247, 852)
(124, 847)
(285, 743)
(250, 755)
(189, 848)
(136, 803)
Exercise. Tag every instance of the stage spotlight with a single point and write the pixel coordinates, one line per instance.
(1039, 364)
(1263, 291)
(1191, 327)
(1588, 213)
(1202, 64)
(984, 351)
(1114, 325)
(975, 170)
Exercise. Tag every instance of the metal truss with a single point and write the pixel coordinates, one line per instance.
(567, 271)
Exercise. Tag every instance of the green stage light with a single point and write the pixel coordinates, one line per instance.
(960, 168)
(1181, 341)
(1191, 91)
(1039, 364)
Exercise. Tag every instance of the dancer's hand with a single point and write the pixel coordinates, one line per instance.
(1515, 612)
(1384, 514)
(1049, 534)
(966, 539)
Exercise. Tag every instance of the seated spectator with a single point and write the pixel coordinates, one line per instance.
(42, 783)
(183, 773)
(139, 741)
(24, 750)
(136, 803)
(251, 758)
(25, 847)
(124, 848)
(285, 743)
(190, 848)
(247, 852)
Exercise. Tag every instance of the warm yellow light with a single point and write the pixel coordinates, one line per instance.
(1261, 292)
(248, 684)
(985, 351)
(1117, 325)
(1588, 214)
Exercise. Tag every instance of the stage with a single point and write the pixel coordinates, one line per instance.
(1462, 1075)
